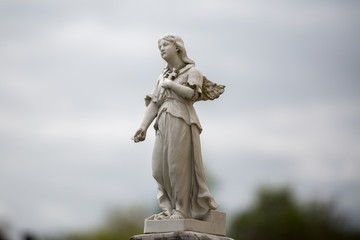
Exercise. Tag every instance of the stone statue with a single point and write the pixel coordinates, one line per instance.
(176, 161)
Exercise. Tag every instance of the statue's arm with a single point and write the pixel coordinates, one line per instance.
(149, 116)
(183, 91)
(192, 89)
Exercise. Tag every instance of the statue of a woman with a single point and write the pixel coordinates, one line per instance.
(176, 161)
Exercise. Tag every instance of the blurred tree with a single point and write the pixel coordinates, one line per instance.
(276, 214)
(119, 224)
(2, 235)
(29, 236)
(4, 227)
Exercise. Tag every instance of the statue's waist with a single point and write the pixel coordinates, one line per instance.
(179, 109)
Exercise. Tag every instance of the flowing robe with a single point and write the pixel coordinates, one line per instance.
(176, 161)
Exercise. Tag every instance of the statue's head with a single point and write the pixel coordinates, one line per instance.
(178, 46)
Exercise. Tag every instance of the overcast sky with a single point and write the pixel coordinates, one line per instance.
(73, 76)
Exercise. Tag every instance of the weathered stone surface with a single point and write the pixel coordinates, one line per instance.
(215, 223)
(177, 164)
(180, 235)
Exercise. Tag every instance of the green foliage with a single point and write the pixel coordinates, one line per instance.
(277, 215)
(119, 225)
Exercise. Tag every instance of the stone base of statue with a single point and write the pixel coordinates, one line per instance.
(181, 235)
(214, 223)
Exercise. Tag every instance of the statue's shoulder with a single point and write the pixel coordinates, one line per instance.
(194, 70)
(194, 75)
(158, 80)
(189, 69)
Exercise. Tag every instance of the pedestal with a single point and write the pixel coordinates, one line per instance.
(183, 235)
(214, 223)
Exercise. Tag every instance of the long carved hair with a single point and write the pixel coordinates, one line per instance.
(179, 43)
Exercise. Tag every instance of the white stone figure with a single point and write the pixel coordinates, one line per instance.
(176, 161)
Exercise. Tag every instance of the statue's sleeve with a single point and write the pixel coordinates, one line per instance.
(195, 81)
(154, 95)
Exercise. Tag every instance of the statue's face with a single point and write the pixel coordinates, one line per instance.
(167, 49)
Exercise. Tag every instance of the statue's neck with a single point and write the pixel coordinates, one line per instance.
(175, 63)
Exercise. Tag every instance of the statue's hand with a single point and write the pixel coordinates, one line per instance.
(166, 83)
(139, 136)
